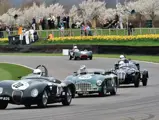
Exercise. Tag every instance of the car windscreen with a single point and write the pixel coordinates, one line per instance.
(128, 65)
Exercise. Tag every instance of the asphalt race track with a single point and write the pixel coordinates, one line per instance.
(129, 104)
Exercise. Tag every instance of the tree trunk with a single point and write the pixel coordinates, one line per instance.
(94, 23)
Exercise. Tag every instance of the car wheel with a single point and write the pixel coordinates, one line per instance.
(27, 106)
(144, 81)
(44, 99)
(3, 105)
(70, 58)
(114, 90)
(75, 58)
(103, 91)
(90, 58)
(136, 81)
(68, 97)
(80, 95)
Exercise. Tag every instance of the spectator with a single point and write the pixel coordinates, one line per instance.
(88, 30)
(130, 29)
(20, 33)
(34, 23)
(31, 34)
(26, 34)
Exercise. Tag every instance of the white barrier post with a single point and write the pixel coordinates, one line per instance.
(65, 52)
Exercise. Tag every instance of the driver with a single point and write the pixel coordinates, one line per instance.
(82, 69)
(122, 60)
(75, 49)
(37, 72)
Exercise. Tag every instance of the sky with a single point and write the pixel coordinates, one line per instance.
(68, 3)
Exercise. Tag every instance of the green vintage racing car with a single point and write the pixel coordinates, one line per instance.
(89, 81)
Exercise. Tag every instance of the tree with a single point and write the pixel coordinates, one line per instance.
(91, 10)
(4, 6)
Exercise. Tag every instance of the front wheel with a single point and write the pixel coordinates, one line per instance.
(67, 98)
(91, 58)
(136, 81)
(103, 91)
(44, 99)
(114, 90)
(3, 105)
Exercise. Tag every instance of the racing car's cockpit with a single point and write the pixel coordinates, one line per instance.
(126, 65)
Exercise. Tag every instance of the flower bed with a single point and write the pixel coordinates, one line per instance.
(138, 40)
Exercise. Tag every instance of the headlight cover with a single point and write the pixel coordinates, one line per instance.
(34, 93)
(99, 82)
(1, 90)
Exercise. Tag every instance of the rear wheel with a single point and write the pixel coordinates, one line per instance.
(3, 105)
(68, 97)
(27, 105)
(80, 95)
(90, 57)
(44, 99)
(144, 81)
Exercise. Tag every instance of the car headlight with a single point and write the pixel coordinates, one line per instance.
(34, 93)
(1, 90)
(99, 82)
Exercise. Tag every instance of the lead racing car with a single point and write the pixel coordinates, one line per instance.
(89, 81)
(75, 54)
(129, 72)
(36, 88)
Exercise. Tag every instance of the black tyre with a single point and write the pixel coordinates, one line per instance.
(27, 106)
(68, 97)
(80, 95)
(90, 57)
(3, 105)
(114, 90)
(43, 100)
(70, 58)
(144, 81)
(75, 58)
(103, 92)
(136, 81)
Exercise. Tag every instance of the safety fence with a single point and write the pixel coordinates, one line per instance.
(43, 34)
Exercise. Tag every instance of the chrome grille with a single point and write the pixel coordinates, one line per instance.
(121, 76)
(83, 86)
(17, 96)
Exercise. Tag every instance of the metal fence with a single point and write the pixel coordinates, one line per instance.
(43, 34)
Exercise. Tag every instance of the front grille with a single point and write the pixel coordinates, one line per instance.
(17, 96)
(84, 56)
(83, 86)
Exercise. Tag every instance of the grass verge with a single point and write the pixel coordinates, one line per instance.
(12, 71)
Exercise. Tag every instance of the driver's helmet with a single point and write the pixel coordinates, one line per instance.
(37, 71)
(121, 62)
(75, 47)
(122, 57)
(83, 68)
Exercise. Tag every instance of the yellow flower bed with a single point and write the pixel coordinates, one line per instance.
(110, 37)
(3, 39)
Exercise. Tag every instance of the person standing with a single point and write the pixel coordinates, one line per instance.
(26, 34)
(31, 34)
(20, 33)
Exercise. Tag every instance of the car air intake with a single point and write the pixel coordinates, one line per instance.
(17, 96)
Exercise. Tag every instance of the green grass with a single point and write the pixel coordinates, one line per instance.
(12, 71)
(148, 58)
(102, 42)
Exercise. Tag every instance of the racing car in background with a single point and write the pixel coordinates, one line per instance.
(129, 72)
(89, 81)
(75, 54)
(36, 88)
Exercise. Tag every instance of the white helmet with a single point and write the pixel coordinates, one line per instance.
(122, 57)
(75, 47)
(37, 71)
